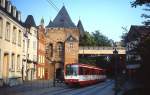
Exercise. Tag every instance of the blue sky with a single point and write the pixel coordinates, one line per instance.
(107, 16)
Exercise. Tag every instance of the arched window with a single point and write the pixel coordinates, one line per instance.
(49, 50)
(60, 49)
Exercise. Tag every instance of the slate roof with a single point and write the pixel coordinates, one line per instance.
(137, 31)
(62, 20)
(30, 21)
(80, 27)
(50, 24)
(10, 14)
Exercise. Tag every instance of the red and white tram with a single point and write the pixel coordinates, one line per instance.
(82, 74)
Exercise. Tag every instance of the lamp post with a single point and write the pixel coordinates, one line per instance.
(115, 52)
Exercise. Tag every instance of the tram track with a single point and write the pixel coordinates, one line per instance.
(99, 86)
(79, 91)
(57, 91)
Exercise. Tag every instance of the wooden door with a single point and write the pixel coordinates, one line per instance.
(5, 67)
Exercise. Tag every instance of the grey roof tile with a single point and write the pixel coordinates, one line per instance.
(63, 19)
(80, 27)
(50, 24)
(30, 21)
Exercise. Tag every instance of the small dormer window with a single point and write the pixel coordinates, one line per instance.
(71, 39)
(9, 6)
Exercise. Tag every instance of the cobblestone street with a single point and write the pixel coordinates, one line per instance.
(28, 87)
(46, 88)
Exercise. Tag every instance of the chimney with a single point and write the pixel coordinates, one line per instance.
(18, 15)
(8, 6)
(13, 11)
(3, 3)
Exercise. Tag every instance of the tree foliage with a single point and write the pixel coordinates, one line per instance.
(139, 2)
(124, 35)
(147, 9)
(94, 39)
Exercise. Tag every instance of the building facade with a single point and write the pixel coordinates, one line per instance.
(134, 36)
(11, 44)
(42, 67)
(31, 57)
(62, 39)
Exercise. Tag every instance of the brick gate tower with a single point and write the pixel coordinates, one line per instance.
(62, 41)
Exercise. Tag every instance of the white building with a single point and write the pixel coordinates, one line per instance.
(11, 44)
(31, 31)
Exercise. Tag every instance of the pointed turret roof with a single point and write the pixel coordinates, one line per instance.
(50, 24)
(30, 21)
(63, 19)
(42, 21)
(80, 27)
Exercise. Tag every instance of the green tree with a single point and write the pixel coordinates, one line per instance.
(87, 40)
(124, 35)
(100, 39)
(94, 39)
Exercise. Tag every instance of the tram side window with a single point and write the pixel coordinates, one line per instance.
(68, 70)
(71, 70)
(81, 71)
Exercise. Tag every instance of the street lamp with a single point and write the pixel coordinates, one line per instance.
(115, 52)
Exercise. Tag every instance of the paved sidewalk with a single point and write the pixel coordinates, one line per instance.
(29, 87)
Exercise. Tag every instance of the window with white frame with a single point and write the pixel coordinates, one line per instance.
(1, 27)
(19, 38)
(7, 33)
(18, 62)
(13, 61)
(14, 34)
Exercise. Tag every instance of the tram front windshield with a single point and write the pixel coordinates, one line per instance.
(71, 70)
